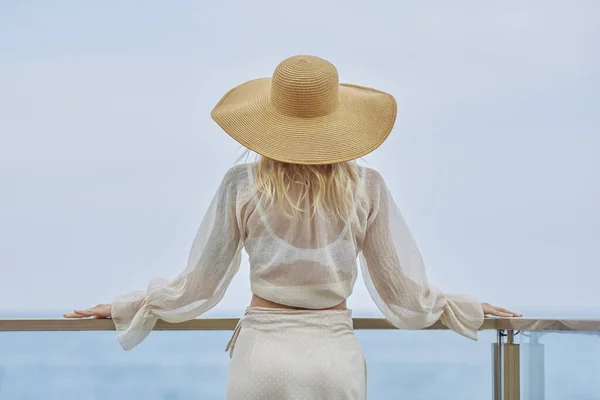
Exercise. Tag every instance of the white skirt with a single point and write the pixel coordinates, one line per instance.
(285, 354)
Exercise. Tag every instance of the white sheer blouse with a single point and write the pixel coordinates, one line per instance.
(306, 262)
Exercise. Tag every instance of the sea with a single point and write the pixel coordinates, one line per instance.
(182, 365)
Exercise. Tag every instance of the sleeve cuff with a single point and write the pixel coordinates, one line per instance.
(133, 319)
(463, 314)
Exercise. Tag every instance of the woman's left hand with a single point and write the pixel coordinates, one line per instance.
(99, 311)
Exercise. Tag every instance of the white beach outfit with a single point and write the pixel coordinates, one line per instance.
(306, 262)
(296, 354)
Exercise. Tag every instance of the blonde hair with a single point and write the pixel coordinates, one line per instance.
(329, 187)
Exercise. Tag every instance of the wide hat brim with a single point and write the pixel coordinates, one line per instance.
(362, 121)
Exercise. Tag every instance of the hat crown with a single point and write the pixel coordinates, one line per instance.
(305, 86)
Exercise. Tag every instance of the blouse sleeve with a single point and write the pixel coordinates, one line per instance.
(213, 261)
(395, 276)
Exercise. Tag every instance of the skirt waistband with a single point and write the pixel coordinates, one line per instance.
(305, 311)
(278, 318)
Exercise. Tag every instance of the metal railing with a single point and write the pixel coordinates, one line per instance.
(499, 324)
(505, 352)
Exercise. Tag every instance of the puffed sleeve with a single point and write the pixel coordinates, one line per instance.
(213, 261)
(395, 276)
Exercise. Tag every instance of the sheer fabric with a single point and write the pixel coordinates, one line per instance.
(308, 262)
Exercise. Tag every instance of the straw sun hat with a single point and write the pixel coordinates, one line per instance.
(303, 115)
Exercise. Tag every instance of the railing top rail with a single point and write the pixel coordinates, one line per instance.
(61, 324)
(548, 324)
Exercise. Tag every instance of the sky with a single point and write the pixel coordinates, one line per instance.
(109, 157)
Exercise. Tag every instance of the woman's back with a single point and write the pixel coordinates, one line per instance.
(308, 260)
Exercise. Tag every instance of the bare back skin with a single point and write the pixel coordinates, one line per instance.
(260, 302)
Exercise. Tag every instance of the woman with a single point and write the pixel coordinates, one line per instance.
(304, 213)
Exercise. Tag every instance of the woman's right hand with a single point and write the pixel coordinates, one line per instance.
(494, 311)
(99, 311)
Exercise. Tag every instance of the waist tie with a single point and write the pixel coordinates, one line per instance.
(238, 327)
(308, 316)
(236, 333)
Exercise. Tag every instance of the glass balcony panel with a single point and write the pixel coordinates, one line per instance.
(178, 365)
(560, 365)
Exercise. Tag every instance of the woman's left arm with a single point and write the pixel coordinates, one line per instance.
(213, 261)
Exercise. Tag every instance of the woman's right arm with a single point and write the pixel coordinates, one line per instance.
(395, 275)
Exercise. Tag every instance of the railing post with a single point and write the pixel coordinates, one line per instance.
(497, 367)
(511, 364)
